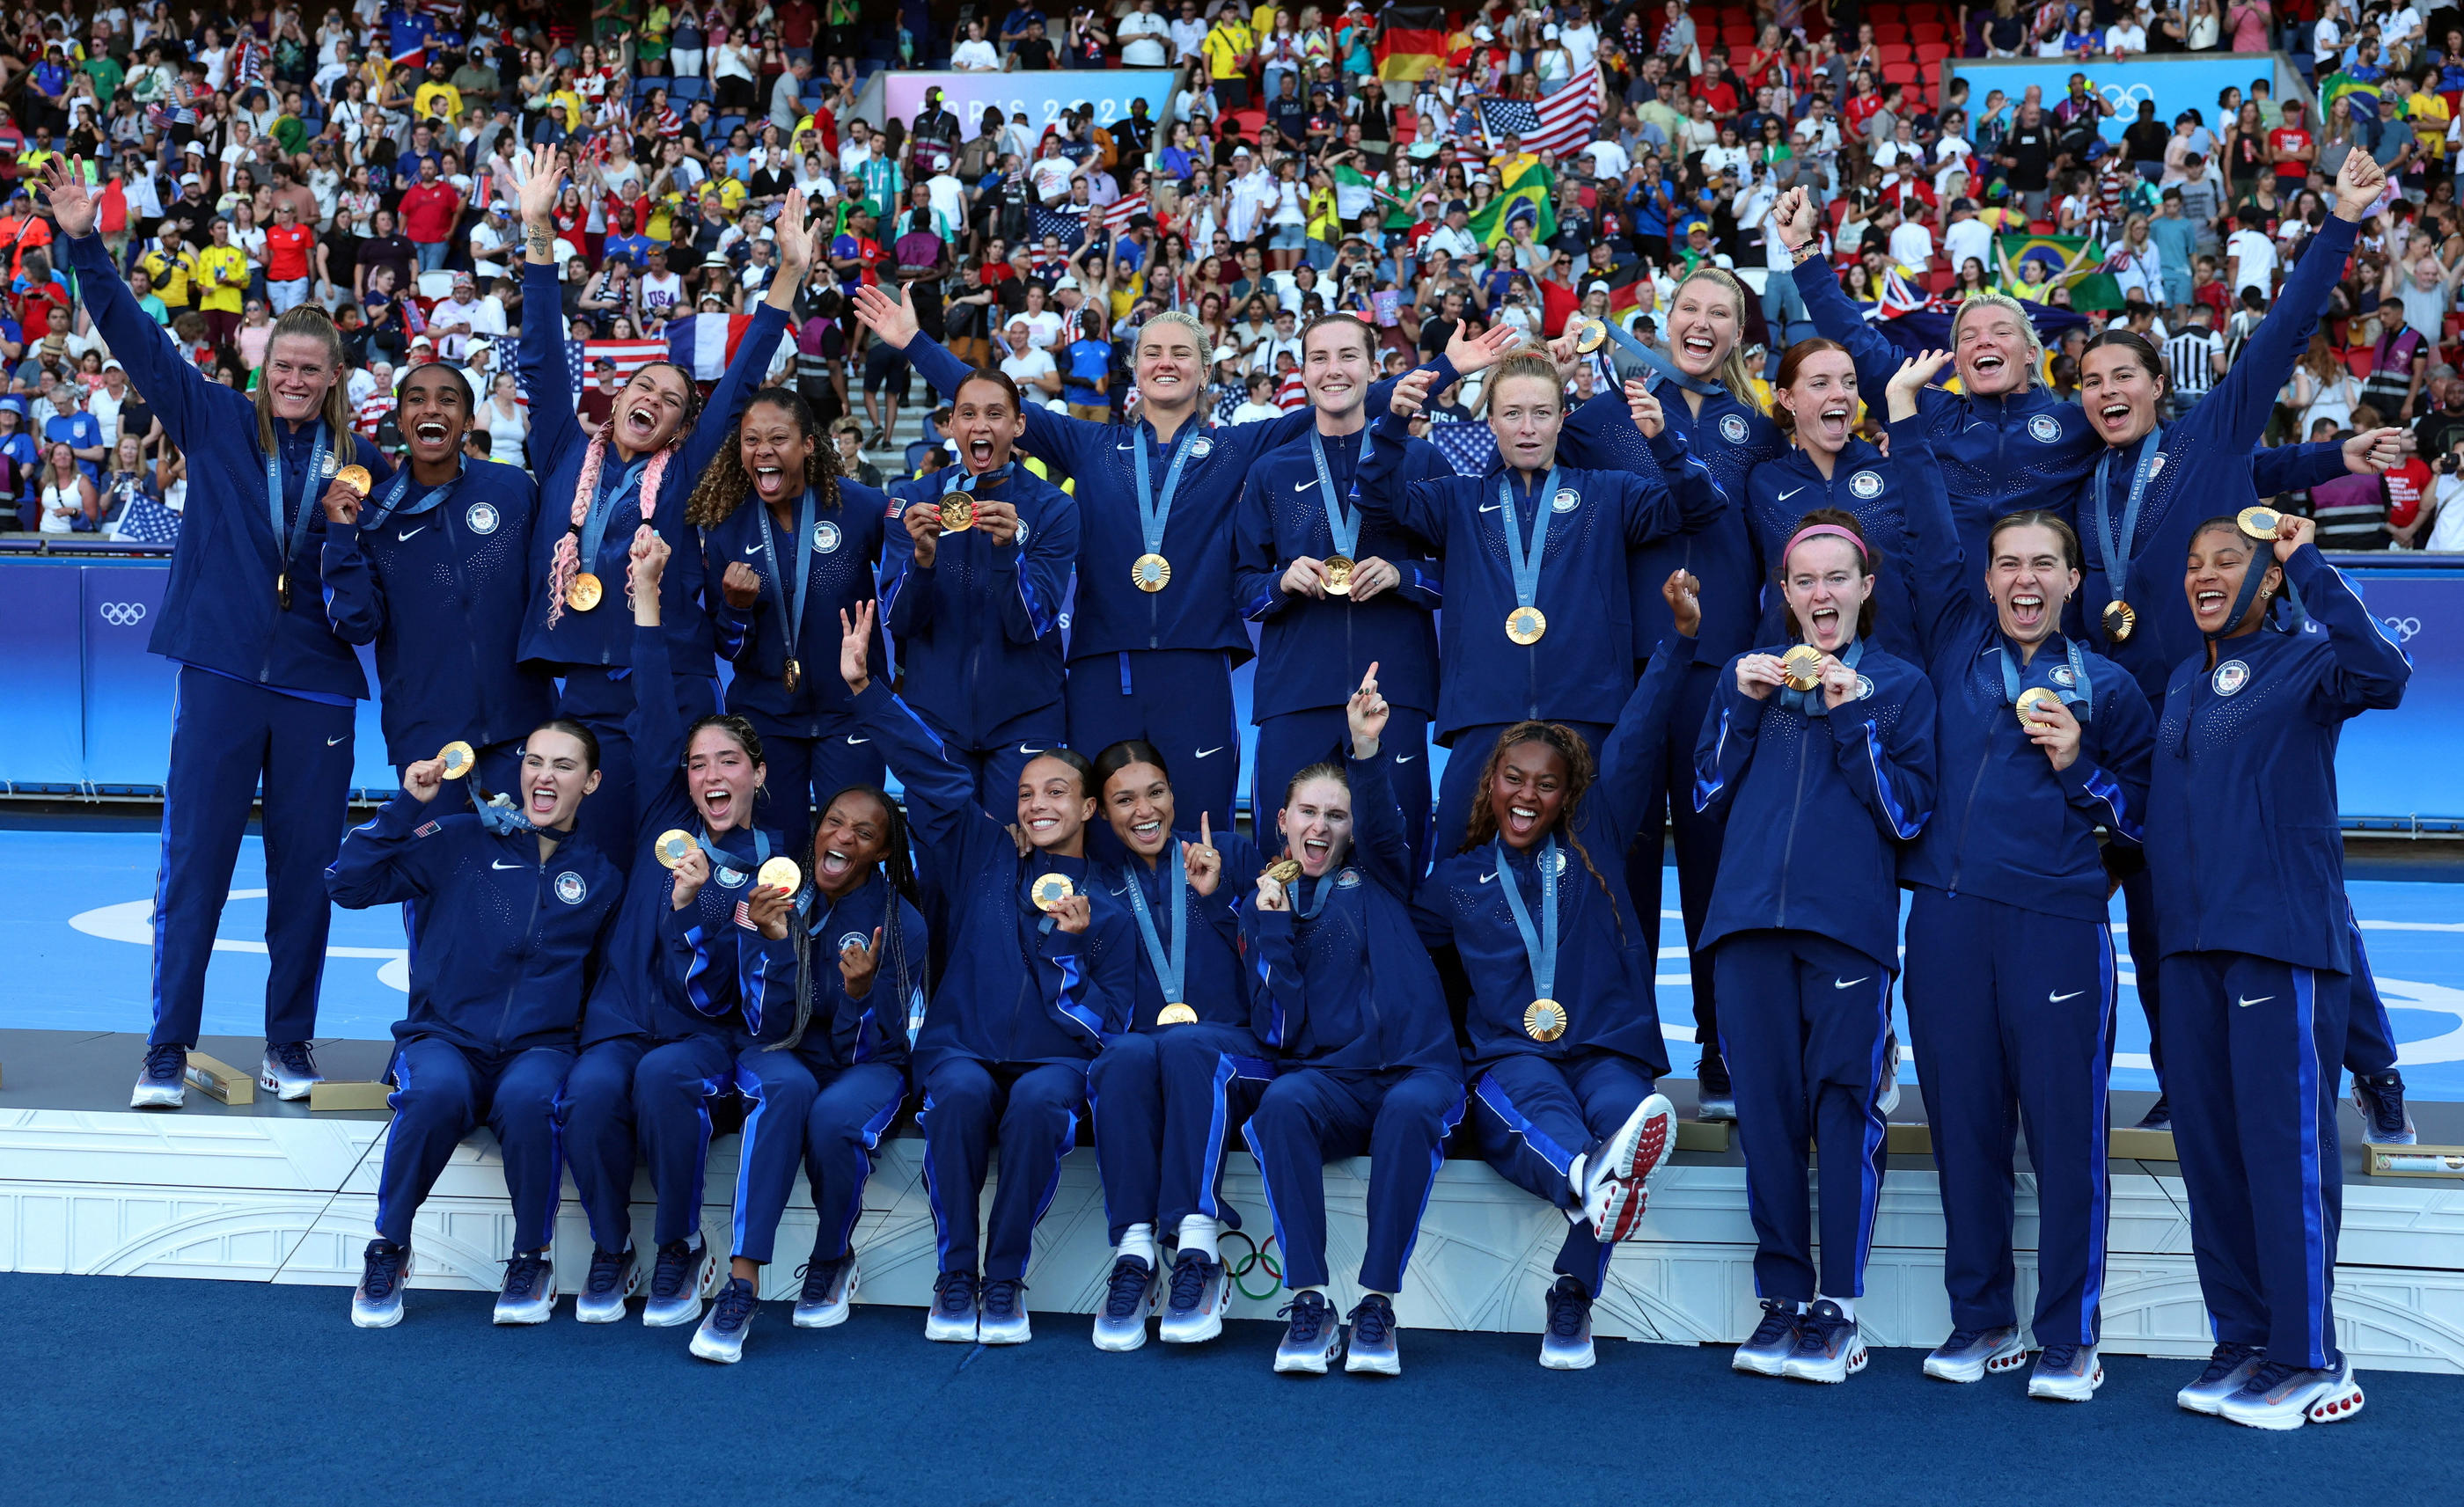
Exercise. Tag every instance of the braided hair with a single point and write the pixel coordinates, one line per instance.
(725, 484)
(1581, 769)
(902, 967)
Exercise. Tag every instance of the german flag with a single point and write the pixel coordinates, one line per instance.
(1411, 42)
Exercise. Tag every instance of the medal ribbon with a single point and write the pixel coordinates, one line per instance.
(792, 598)
(2079, 694)
(1527, 565)
(389, 501)
(1171, 967)
(963, 480)
(1325, 887)
(2117, 546)
(1153, 513)
(1663, 368)
(594, 527)
(1342, 522)
(1808, 702)
(287, 552)
(1539, 948)
(721, 862)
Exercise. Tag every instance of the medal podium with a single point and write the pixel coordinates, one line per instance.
(268, 1192)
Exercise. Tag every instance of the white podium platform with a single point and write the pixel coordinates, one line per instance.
(271, 1193)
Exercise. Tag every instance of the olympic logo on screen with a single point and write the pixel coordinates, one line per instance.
(123, 614)
(2404, 629)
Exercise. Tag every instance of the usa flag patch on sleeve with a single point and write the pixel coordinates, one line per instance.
(428, 830)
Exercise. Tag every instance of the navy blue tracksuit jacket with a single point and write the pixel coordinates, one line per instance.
(846, 541)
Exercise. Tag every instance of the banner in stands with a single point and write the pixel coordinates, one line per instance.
(1042, 96)
(2176, 83)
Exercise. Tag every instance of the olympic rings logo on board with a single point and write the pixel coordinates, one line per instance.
(122, 614)
(2404, 629)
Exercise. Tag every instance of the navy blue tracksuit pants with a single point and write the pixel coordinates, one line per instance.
(1537, 1114)
(601, 703)
(1031, 1110)
(1180, 701)
(828, 1119)
(443, 1092)
(2369, 1044)
(1458, 789)
(2253, 1044)
(1698, 848)
(1292, 742)
(628, 1093)
(1400, 1118)
(803, 773)
(2010, 1008)
(227, 738)
(1803, 1029)
(1165, 1103)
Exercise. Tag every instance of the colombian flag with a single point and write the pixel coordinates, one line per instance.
(1412, 42)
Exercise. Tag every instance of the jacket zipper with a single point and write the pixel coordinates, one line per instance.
(1967, 813)
(1796, 809)
(506, 1018)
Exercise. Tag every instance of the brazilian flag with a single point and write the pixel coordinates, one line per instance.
(2074, 258)
(1527, 196)
(2340, 83)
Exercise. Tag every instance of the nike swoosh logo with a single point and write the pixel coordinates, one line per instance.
(1405, 758)
(500, 863)
(1485, 878)
(1849, 983)
(330, 742)
(753, 549)
(2056, 1000)
(1790, 493)
(405, 538)
(1023, 749)
(1492, 507)
(853, 741)
(1125, 446)
(2260, 1000)
(1204, 753)
(1303, 486)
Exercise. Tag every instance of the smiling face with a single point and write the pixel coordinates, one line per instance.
(1822, 401)
(2219, 562)
(1990, 347)
(1826, 586)
(651, 409)
(1169, 365)
(1702, 325)
(2118, 393)
(986, 424)
(1138, 802)
(556, 774)
(1053, 806)
(721, 776)
(774, 450)
(1316, 824)
(2029, 576)
(1526, 412)
(854, 835)
(1337, 369)
(1526, 792)
(300, 370)
(435, 413)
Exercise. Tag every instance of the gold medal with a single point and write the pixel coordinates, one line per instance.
(356, 478)
(282, 589)
(1284, 870)
(1050, 890)
(1151, 573)
(1803, 667)
(1526, 625)
(672, 847)
(958, 513)
(2033, 698)
(2259, 523)
(457, 759)
(2119, 621)
(781, 874)
(585, 593)
(1338, 574)
(1590, 336)
(1175, 1014)
(1544, 1021)
(793, 676)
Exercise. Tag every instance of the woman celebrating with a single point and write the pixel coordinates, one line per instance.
(1564, 1034)
(1561, 561)
(1350, 1005)
(840, 977)
(68, 502)
(2050, 742)
(1039, 982)
(519, 906)
(659, 437)
(1165, 1092)
(792, 544)
(1831, 742)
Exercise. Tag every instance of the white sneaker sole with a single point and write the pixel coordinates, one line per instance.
(1195, 1328)
(1756, 1364)
(1829, 1372)
(1121, 1340)
(2067, 1390)
(1357, 1364)
(949, 1331)
(2336, 1404)
(1639, 1149)
(1566, 1360)
(2009, 1358)
(145, 1097)
(1006, 1335)
(1312, 1364)
(716, 1351)
(829, 1315)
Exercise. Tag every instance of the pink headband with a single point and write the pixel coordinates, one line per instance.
(1817, 530)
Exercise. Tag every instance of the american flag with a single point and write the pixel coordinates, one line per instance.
(1070, 227)
(1470, 449)
(630, 357)
(253, 56)
(1562, 124)
(1118, 214)
(147, 521)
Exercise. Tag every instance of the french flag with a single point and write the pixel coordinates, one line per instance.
(701, 343)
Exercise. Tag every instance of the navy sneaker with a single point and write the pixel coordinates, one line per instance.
(163, 1084)
(288, 1070)
(2159, 1115)
(530, 1289)
(612, 1279)
(2380, 1098)
(1310, 1335)
(1128, 1296)
(1970, 1355)
(1714, 1097)
(1567, 1344)
(1201, 1293)
(2231, 1365)
(1000, 1315)
(684, 1273)
(829, 1292)
(721, 1335)
(1828, 1347)
(2066, 1374)
(951, 1317)
(2279, 1396)
(1773, 1340)
(1373, 1339)
(376, 1303)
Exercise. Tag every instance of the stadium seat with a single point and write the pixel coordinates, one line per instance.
(726, 125)
(1926, 31)
(643, 86)
(1899, 73)
(1890, 32)
(683, 91)
(1895, 53)
(1929, 53)
(2357, 360)
(1939, 283)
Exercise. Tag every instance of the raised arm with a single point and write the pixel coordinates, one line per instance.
(1071, 443)
(2371, 670)
(547, 375)
(1833, 314)
(750, 365)
(654, 725)
(2237, 409)
(1683, 496)
(1938, 569)
(940, 791)
(1416, 508)
(1377, 829)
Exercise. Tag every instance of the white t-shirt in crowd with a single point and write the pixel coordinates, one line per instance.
(2252, 261)
(976, 56)
(1966, 238)
(1028, 369)
(1146, 40)
(1911, 245)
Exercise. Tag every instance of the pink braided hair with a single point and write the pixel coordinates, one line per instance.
(569, 548)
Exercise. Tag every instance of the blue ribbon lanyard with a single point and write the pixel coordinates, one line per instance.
(2078, 693)
(1325, 887)
(2117, 546)
(965, 480)
(793, 597)
(721, 863)
(1527, 564)
(594, 527)
(1540, 947)
(1154, 512)
(1659, 365)
(1343, 522)
(1171, 965)
(297, 528)
(389, 501)
(1810, 703)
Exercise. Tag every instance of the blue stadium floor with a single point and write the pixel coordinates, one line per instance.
(232, 1392)
(76, 943)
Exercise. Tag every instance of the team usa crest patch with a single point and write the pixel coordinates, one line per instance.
(482, 518)
(1200, 448)
(1732, 428)
(2230, 677)
(2062, 676)
(826, 536)
(570, 888)
(1865, 689)
(1865, 485)
(2045, 427)
(852, 940)
(1567, 500)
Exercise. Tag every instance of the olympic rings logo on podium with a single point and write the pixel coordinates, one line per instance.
(1256, 1259)
(123, 614)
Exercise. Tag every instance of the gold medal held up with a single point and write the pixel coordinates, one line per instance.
(1591, 335)
(2120, 620)
(1049, 890)
(585, 593)
(1175, 1013)
(957, 513)
(1151, 573)
(1284, 870)
(457, 759)
(1803, 667)
(781, 874)
(1544, 1021)
(356, 478)
(1525, 626)
(1338, 574)
(2259, 523)
(672, 847)
(2034, 699)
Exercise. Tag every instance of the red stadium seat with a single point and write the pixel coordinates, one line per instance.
(1929, 53)
(2357, 360)
(1899, 73)
(1896, 53)
(2041, 228)
(1939, 283)
(1926, 31)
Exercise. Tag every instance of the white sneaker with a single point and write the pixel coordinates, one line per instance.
(1970, 1355)
(1639, 1149)
(2287, 1397)
(376, 1303)
(530, 1289)
(288, 1070)
(163, 1082)
(2066, 1374)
